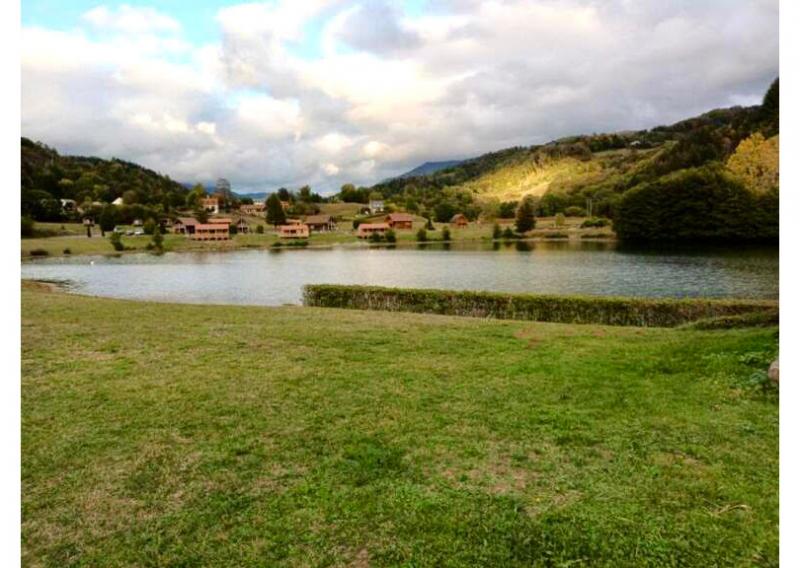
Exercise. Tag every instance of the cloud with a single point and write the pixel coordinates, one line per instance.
(328, 92)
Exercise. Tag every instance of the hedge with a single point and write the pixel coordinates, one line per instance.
(643, 312)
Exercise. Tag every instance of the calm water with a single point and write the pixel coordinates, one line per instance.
(269, 277)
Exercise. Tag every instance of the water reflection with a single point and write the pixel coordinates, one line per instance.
(276, 276)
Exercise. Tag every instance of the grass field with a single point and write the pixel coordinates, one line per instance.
(179, 435)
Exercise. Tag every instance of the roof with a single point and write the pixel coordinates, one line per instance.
(458, 216)
(209, 226)
(400, 217)
(374, 226)
(292, 227)
(211, 199)
(221, 220)
(318, 219)
(187, 220)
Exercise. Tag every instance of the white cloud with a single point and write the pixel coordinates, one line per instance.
(130, 19)
(326, 92)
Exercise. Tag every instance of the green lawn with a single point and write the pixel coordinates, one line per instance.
(156, 435)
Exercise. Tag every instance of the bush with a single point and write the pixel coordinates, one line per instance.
(445, 234)
(27, 226)
(574, 211)
(595, 222)
(497, 232)
(260, 229)
(564, 309)
(116, 241)
(39, 252)
(376, 238)
(559, 220)
(556, 235)
(422, 235)
(391, 237)
(764, 318)
(356, 223)
(509, 234)
(66, 251)
(149, 227)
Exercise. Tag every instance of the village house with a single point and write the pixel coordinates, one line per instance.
(320, 223)
(184, 226)
(211, 232)
(366, 230)
(400, 220)
(299, 231)
(376, 206)
(210, 204)
(221, 221)
(242, 226)
(256, 208)
(293, 222)
(459, 220)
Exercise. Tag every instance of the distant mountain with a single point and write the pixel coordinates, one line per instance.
(429, 168)
(259, 195)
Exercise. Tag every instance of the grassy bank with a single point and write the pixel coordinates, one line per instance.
(157, 434)
(72, 238)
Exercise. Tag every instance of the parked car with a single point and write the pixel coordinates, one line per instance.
(129, 233)
(138, 232)
(119, 230)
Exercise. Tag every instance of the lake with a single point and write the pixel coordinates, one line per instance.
(275, 277)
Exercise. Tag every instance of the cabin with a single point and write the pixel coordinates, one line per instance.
(210, 204)
(242, 226)
(320, 223)
(459, 220)
(400, 220)
(376, 205)
(211, 232)
(293, 231)
(256, 208)
(184, 226)
(366, 230)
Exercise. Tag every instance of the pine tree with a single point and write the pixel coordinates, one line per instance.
(525, 220)
(275, 213)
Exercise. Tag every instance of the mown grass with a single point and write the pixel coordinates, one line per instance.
(181, 435)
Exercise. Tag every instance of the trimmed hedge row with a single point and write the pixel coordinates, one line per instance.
(643, 312)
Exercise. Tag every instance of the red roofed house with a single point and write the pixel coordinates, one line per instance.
(256, 208)
(366, 230)
(293, 231)
(211, 232)
(459, 220)
(400, 220)
(221, 221)
(242, 226)
(184, 225)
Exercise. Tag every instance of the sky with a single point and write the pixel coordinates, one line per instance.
(327, 92)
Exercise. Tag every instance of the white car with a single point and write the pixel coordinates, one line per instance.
(138, 232)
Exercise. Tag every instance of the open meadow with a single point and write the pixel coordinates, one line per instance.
(157, 434)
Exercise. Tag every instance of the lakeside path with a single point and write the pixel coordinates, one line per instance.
(159, 434)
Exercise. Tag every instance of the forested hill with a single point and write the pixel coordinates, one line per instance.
(570, 172)
(48, 177)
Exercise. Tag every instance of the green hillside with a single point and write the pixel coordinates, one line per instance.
(47, 177)
(578, 171)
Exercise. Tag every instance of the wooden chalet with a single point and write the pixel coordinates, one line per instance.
(184, 226)
(299, 231)
(459, 220)
(366, 230)
(400, 220)
(211, 232)
(320, 223)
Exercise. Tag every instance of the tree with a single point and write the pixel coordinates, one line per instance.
(755, 162)
(116, 241)
(201, 214)
(496, 231)
(149, 227)
(525, 218)
(422, 235)
(27, 226)
(275, 214)
(108, 219)
(158, 240)
(445, 234)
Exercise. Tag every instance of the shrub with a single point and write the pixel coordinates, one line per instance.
(549, 308)
(357, 222)
(116, 241)
(556, 235)
(376, 238)
(525, 217)
(429, 225)
(497, 232)
(66, 251)
(422, 235)
(595, 222)
(149, 227)
(39, 252)
(445, 234)
(574, 211)
(509, 234)
(391, 237)
(27, 226)
(559, 220)
(764, 318)
(260, 229)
